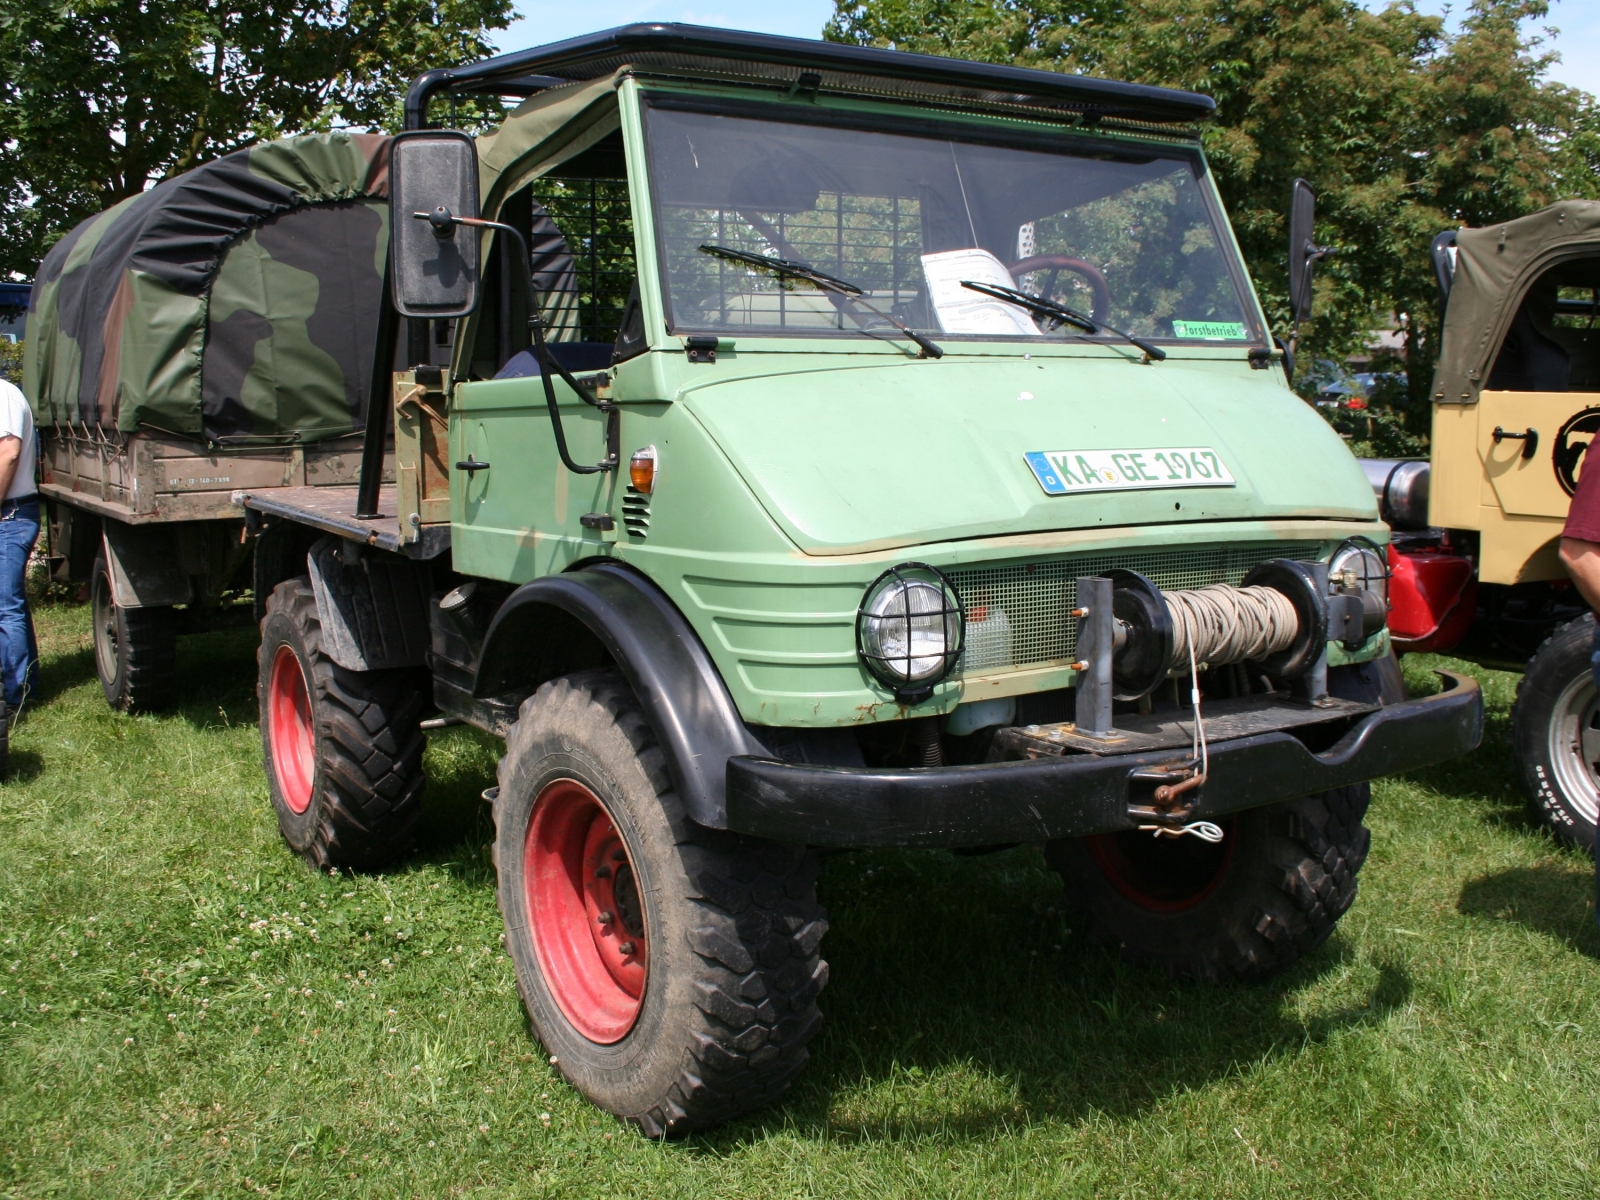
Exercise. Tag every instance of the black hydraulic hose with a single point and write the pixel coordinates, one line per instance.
(542, 352)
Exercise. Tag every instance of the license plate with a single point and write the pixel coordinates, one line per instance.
(1063, 472)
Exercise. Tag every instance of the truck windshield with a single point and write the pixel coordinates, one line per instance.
(1128, 235)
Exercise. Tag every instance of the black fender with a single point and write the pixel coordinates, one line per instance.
(658, 652)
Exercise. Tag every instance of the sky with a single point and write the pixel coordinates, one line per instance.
(554, 20)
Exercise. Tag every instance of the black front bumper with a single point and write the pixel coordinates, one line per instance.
(1036, 800)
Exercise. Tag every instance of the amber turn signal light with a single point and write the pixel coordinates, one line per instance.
(642, 470)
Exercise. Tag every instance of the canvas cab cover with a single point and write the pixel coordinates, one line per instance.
(237, 302)
(1494, 267)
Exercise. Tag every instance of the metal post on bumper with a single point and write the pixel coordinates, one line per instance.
(1096, 645)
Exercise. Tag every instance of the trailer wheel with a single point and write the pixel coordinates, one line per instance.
(343, 748)
(135, 649)
(1555, 732)
(1245, 908)
(671, 971)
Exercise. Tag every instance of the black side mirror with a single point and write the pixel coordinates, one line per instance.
(1444, 267)
(434, 260)
(1303, 250)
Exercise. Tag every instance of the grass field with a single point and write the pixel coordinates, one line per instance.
(186, 1010)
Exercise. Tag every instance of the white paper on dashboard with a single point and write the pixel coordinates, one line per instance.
(962, 310)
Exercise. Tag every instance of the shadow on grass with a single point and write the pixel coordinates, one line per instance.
(1555, 898)
(961, 1006)
(1487, 779)
(59, 673)
(456, 828)
(217, 678)
(23, 766)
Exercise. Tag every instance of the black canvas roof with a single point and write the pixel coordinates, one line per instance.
(759, 56)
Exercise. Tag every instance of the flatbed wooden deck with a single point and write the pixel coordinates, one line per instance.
(333, 510)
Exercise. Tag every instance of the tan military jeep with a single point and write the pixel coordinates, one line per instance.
(1516, 401)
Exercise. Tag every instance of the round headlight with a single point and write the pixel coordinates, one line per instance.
(908, 630)
(1359, 566)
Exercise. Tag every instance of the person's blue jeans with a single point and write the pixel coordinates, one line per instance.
(19, 649)
(1594, 669)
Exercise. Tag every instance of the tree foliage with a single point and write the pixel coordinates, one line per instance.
(101, 98)
(1405, 127)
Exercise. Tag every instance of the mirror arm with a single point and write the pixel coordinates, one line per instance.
(548, 363)
(1312, 253)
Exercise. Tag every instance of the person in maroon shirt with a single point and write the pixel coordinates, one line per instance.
(1580, 554)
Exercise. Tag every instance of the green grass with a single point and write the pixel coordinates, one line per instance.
(188, 1010)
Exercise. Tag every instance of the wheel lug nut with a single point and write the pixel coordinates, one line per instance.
(602, 872)
(627, 947)
(606, 918)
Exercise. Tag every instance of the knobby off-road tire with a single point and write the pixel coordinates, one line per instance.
(343, 749)
(671, 971)
(1244, 909)
(1555, 733)
(135, 649)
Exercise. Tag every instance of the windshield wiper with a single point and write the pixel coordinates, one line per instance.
(790, 269)
(1059, 314)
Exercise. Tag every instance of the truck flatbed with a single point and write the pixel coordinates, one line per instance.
(333, 510)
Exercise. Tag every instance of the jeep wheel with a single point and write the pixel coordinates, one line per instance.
(1244, 908)
(135, 649)
(343, 748)
(671, 971)
(1555, 732)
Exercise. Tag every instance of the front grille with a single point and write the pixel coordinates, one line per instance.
(1017, 613)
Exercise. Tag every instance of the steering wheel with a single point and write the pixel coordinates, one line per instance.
(1064, 262)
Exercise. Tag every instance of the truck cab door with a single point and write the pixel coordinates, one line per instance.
(520, 514)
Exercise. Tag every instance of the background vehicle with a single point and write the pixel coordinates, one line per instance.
(783, 536)
(1516, 402)
(214, 333)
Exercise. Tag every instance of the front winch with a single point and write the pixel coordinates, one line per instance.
(1132, 636)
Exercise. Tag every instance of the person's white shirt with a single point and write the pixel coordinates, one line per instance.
(16, 420)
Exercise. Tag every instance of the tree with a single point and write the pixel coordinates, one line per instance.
(1406, 129)
(99, 99)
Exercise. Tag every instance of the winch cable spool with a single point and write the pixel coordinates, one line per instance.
(1274, 619)
(1219, 624)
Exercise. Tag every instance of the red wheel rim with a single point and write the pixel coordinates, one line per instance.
(1168, 875)
(585, 912)
(290, 732)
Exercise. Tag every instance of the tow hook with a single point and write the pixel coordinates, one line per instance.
(1171, 811)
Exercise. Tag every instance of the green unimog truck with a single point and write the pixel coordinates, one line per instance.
(840, 448)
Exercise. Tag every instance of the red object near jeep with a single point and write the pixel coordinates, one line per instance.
(1433, 597)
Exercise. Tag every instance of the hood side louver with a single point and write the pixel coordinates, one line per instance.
(636, 513)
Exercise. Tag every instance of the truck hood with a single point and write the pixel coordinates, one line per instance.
(862, 458)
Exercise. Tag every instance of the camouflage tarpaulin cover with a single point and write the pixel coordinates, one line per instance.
(236, 301)
(1494, 267)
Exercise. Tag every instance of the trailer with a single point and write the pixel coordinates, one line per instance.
(214, 333)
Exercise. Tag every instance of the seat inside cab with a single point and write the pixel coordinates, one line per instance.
(579, 229)
(1553, 344)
